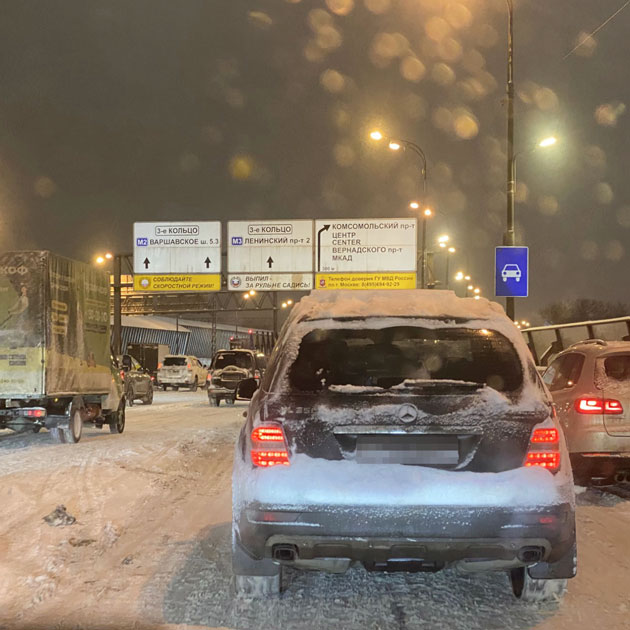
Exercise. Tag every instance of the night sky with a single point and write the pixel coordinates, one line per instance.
(121, 111)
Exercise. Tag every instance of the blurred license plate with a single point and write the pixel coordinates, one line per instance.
(427, 450)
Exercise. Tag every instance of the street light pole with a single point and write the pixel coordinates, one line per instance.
(406, 144)
(116, 332)
(509, 235)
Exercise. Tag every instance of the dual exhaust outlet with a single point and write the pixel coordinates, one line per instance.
(622, 476)
(290, 553)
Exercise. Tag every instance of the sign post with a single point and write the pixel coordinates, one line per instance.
(511, 271)
(177, 256)
(270, 255)
(366, 253)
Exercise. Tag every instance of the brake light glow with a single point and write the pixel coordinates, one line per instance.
(545, 436)
(189, 366)
(591, 405)
(159, 366)
(544, 459)
(269, 447)
(122, 374)
(544, 449)
(257, 374)
(34, 413)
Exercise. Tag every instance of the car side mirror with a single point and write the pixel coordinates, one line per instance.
(246, 389)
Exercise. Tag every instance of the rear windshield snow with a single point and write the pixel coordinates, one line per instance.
(174, 361)
(238, 359)
(386, 357)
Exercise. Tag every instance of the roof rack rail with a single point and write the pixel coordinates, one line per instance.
(598, 342)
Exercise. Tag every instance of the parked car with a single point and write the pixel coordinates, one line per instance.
(228, 369)
(180, 370)
(137, 380)
(408, 431)
(590, 385)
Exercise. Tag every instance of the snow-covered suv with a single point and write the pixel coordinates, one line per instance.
(405, 430)
(180, 370)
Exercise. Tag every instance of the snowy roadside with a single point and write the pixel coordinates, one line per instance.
(151, 545)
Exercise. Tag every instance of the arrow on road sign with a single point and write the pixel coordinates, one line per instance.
(319, 245)
(270, 261)
(207, 262)
(146, 263)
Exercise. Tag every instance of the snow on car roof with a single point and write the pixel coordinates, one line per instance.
(421, 303)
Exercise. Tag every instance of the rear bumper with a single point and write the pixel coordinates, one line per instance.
(477, 539)
(169, 380)
(220, 391)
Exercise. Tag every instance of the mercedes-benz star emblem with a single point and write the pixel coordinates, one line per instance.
(407, 413)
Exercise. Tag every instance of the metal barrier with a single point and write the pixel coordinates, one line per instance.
(545, 342)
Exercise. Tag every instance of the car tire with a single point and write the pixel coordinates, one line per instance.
(72, 433)
(117, 419)
(529, 589)
(254, 578)
(214, 401)
(148, 399)
(193, 387)
(229, 400)
(164, 388)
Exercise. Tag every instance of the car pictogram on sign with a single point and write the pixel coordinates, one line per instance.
(511, 271)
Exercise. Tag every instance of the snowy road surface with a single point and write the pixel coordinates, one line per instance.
(150, 546)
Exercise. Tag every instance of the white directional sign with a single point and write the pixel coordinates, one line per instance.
(366, 245)
(270, 247)
(177, 247)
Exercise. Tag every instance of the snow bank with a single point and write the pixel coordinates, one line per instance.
(312, 482)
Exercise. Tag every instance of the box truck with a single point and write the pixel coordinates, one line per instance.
(56, 366)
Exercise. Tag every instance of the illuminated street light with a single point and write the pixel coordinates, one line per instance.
(252, 292)
(394, 146)
(246, 296)
(100, 260)
(477, 290)
(548, 142)
(459, 276)
(451, 250)
(376, 135)
(428, 212)
(444, 238)
(414, 205)
(289, 302)
(470, 287)
(466, 277)
(109, 256)
(284, 305)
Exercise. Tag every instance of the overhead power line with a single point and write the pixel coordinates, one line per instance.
(599, 28)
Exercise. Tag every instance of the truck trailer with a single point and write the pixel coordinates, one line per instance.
(56, 365)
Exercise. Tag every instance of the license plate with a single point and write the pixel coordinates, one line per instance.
(419, 450)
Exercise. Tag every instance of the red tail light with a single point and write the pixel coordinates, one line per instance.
(34, 413)
(269, 447)
(159, 365)
(544, 436)
(209, 377)
(550, 460)
(189, 366)
(257, 374)
(544, 449)
(591, 405)
(122, 374)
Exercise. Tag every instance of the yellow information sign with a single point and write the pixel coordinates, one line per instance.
(365, 281)
(182, 283)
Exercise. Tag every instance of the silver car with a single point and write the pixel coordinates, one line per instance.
(590, 385)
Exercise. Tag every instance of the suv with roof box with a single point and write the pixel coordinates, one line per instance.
(590, 385)
(405, 431)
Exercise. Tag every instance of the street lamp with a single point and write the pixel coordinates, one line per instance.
(396, 145)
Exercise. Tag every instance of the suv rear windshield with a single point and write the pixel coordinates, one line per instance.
(174, 361)
(238, 359)
(388, 356)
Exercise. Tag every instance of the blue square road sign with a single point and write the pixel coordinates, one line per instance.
(511, 271)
